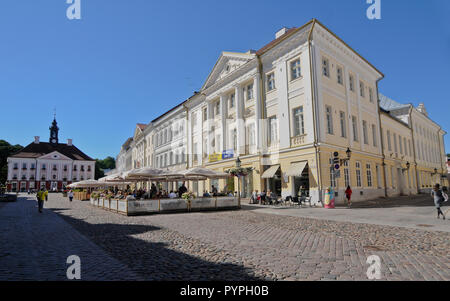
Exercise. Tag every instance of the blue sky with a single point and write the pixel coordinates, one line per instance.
(128, 61)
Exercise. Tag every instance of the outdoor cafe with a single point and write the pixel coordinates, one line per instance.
(114, 192)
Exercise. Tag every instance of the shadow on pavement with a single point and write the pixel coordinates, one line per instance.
(155, 260)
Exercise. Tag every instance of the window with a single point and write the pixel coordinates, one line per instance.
(405, 146)
(273, 130)
(388, 136)
(346, 174)
(329, 113)
(361, 89)
(232, 100)
(365, 138)
(409, 146)
(332, 173)
(392, 177)
(369, 175)
(377, 169)
(217, 108)
(358, 174)
(205, 114)
(370, 95)
(340, 78)
(234, 137)
(24, 165)
(400, 144)
(374, 135)
(351, 82)
(343, 127)
(295, 69)
(355, 128)
(250, 134)
(325, 67)
(270, 81)
(250, 92)
(395, 143)
(299, 123)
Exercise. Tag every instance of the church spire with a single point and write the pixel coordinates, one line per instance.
(54, 131)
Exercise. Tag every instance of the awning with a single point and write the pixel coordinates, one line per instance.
(296, 169)
(270, 172)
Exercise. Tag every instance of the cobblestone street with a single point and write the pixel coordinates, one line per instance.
(229, 245)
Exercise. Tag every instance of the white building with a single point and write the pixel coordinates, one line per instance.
(52, 165)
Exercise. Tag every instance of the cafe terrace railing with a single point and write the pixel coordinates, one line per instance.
(142, 207)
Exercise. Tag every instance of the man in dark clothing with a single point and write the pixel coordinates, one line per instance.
(182, 190)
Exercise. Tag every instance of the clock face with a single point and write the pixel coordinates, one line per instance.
(53, 140)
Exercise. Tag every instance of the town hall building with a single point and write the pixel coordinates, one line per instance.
(52, 165)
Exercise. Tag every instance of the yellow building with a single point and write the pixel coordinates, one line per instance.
(304, 113)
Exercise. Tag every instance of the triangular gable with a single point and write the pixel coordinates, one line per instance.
(139, 130)
(225, 65)
(54, 156)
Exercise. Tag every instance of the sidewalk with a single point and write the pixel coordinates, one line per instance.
(36, 246)
(416, 212)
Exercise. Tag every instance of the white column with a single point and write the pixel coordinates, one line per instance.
(361, 129)
(348, 116)
(209, 122)
(258, 112)
(224, 114)
(240, 125)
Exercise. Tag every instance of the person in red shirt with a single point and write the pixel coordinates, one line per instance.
(348, 195)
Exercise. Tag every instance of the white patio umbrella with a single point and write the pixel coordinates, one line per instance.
(86, 184)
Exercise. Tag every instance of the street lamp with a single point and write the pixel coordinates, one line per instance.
(349, 153)
(238, 165)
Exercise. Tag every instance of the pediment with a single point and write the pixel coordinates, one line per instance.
(227, 63)
(54, 156)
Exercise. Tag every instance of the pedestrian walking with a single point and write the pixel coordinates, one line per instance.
(348, 195)
(70, 195)
(439, 198)
(42, 196)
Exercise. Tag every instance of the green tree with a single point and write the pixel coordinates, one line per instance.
(6, 150)
(100, 165)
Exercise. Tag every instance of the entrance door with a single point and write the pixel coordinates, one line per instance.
(54, 186)
(301, 184)
(14, 186)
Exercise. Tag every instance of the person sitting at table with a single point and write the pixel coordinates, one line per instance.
(206, 194)
(230, 194)
(263, 197)
(172, 195)
(214, 190)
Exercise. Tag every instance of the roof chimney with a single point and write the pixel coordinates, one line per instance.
(69, 142)
(281, 32)
(421, 109)
(36, 139)
(251, 51)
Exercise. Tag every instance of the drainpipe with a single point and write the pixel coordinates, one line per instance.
(313, 105)
(383, 157)
(262, 89)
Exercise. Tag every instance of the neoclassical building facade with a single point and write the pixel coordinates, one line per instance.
(304, 112)
(50, 165)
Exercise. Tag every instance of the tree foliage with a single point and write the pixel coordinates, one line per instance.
(6, 150)
(100, 165)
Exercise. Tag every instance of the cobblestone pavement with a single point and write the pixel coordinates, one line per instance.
(36, 246)
(245, 245)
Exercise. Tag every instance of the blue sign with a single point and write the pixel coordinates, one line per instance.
(227, 154)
